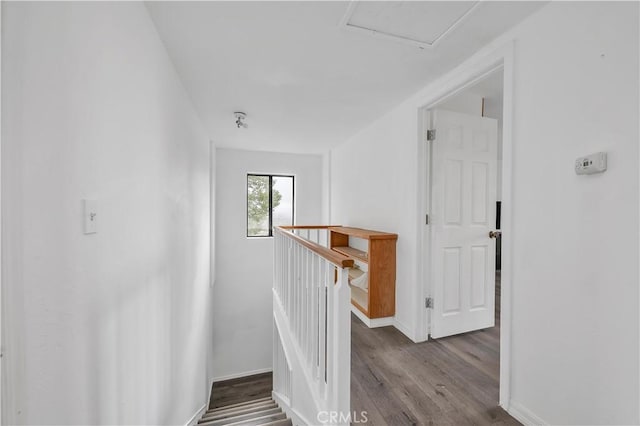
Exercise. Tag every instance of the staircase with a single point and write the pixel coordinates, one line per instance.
(263, 411)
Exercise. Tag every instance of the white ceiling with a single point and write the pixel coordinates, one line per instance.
(423, 22)
(305, 82)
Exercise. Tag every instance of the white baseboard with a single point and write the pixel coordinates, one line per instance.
(194, 419)
(406, 331)
(524, 415)
(372, 323)
(386, 322)
(244, 374)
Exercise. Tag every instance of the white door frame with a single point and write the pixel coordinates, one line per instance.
(2, 325)
(456, 82)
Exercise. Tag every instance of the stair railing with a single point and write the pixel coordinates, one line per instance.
(312, 332)
(318, 234)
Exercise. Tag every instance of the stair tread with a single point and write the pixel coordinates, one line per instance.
(237, 410)
(281, 422)
(239, 404)
(244, 407)
(259, 420)
(245, 416)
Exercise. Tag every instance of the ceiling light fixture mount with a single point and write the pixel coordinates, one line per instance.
(240, 118)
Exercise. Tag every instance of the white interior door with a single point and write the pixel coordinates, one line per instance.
(463, 213)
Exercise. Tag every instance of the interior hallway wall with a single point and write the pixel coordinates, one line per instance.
(243, 313)
(464, 102)
(373, 186)
(493, 108)
(212, 258)
(575, 294)
(107, 328)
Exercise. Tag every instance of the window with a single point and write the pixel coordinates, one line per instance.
(269, 203)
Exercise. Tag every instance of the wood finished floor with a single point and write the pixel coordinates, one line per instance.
(448, 381)
(241, 390)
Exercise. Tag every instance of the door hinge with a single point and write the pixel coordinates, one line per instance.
(428, 302)
(426, 222)
(431, 135)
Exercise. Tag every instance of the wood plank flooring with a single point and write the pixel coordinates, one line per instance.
(241, 390)
(448, 381)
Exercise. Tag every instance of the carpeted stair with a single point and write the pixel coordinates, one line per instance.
(259, 412)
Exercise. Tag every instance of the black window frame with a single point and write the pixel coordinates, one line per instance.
(293, 202)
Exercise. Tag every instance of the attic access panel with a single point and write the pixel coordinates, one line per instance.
(420, 23)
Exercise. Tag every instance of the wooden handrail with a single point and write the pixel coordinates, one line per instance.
(288, 228)
(332, 256)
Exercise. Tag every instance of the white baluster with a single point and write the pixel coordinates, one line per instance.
(341, 337)
(308, 338)
(291, 269)
(303, 302)
(305, 320)
(315, 315)
(326, 267)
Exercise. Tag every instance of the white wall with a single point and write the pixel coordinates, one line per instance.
(575, 238)
(3, 385)
(464, 102)
(108, 328)
(326, 188)
(243, 315)
(493, 108)
(212, 267)
(373, 185)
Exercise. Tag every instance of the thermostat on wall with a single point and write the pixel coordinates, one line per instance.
(594, 163)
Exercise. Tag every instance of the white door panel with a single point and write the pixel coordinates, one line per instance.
(464, 179)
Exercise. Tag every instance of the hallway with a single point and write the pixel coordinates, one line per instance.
(452, 380)
(157, 158)
(449, 381)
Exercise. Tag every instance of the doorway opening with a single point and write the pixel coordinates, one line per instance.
(462, 238)
(465, 190)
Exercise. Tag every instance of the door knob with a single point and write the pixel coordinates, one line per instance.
(495, 234)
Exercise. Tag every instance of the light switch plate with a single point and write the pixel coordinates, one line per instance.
(90, 208)
(594, 163)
